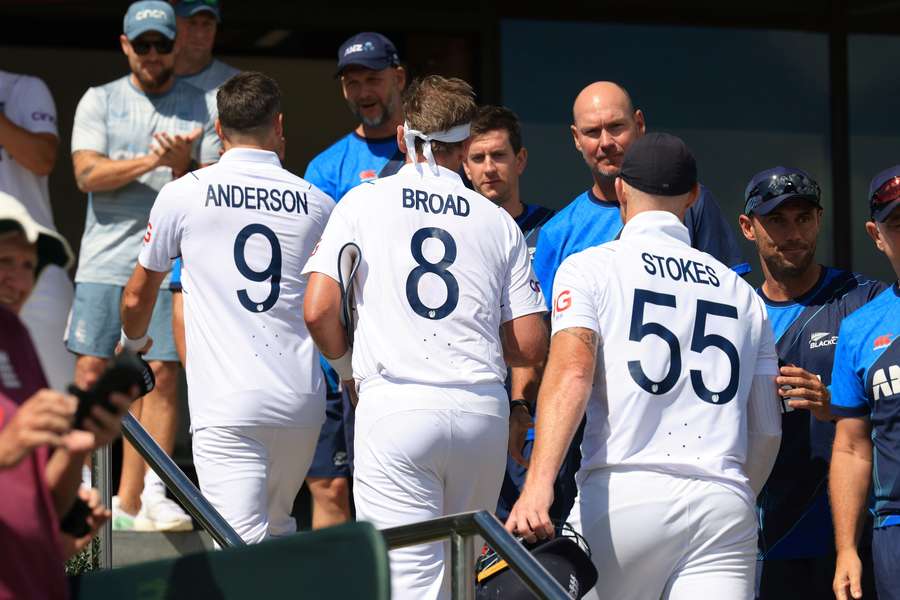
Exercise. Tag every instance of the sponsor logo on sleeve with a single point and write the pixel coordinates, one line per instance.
(882, 341)
(368, 175)
(535, 285)
(42, 116)
(563, 301)
(149, 234)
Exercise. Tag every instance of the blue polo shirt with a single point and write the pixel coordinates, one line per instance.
(865, 382)
(350, 161)
(589, 221)
(794, 513)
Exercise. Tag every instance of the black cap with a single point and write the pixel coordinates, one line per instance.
(367, 49)
(659, 164)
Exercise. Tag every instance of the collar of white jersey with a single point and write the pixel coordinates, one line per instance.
(251, 155)
(411, 170)
(656, 223)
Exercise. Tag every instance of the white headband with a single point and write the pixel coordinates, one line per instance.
(458, 133)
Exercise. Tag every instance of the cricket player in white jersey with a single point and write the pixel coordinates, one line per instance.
(672, 355)
(244, 227)
(444, 275)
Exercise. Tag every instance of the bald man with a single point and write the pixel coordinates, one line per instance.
(605, 124)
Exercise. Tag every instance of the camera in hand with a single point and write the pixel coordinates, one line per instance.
(75, 522)
(126, 371)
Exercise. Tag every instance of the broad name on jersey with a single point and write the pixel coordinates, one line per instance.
(435, 204)
(679, 269)
(257, 198)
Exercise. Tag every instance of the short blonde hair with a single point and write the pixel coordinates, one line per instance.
(436, 103)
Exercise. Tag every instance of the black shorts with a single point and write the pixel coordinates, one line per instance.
(334, 452)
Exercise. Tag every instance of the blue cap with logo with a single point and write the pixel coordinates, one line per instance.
(884, 193)
(768, 189)
(189, 8)
(367, 49)
(149, 15)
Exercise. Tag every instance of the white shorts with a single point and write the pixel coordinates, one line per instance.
(251, 475)
(655, 535)
(423, 452)
(46, 314)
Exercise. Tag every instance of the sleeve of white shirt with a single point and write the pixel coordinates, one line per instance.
(338, 231)
(522, 293)
(575, 303)
(162, 242)
(767, 359)
(32, 106)
(210, 144)
(89, 129)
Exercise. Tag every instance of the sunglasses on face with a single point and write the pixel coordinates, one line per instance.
(142, 47)
(888, 192)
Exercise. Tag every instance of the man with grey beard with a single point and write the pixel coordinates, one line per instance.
(131, 137)
(372, 82)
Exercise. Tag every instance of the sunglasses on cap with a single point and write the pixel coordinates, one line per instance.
(162, 46)
(778, 185)
(887, 194)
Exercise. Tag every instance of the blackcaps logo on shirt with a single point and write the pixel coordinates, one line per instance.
(822, 339)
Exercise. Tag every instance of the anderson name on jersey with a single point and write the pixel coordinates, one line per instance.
(244, 226)
(431, 300)
(681, 338)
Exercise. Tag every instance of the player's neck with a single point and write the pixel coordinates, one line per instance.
(784, 289)
(513, 206)
(605, 189)
(156, 90)
(386, 130)
(186, 66)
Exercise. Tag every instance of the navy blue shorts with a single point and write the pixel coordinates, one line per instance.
(886, 556)
(334, 452)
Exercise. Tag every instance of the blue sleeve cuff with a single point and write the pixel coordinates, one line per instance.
(850, 411)
(741, 269)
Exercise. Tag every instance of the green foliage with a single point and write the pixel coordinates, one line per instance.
(85, 561)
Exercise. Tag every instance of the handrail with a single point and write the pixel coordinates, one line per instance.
(179, 484)
(463, 526)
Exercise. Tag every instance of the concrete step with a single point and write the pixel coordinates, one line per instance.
(130, 547)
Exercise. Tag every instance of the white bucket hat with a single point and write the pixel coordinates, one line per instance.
(52, 248)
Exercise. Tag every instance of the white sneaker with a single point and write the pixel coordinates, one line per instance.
(121, 520)
(159, 513)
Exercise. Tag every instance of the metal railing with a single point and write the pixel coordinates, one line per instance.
(460, 529)
(174, 478)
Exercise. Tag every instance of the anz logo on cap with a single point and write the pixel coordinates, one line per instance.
(354, 48)
(150, 13)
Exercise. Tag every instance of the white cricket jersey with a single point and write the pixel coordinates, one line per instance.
(26, 101)
(681, 338)
(244, 227)
(442, 267)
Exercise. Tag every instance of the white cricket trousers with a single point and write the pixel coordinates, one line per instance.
(423, 452)
(660, 536)
(46, 315)
(251, 475)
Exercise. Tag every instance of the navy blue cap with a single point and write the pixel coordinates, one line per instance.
(768, 189)
(886, 186)
(659, 164)
(367, 49)
(149, 15)
(189, 8)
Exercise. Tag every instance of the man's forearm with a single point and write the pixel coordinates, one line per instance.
(848, 483)
(322, 314)
(63, 477)
(138, 300)
(524, 383)
(103, 174)
(34, 151)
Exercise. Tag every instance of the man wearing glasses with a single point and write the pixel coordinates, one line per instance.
(131, 137)
(865, 386)
(806, 303)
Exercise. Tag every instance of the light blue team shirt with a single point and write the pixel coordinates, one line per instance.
(350, 161)
(208, 79)
(211, 76)
(119, 120)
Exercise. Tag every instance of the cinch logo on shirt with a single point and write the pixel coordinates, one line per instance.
(822, 339)
(882, 341)
(882, 386)
(368, 175)
(8, 375)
